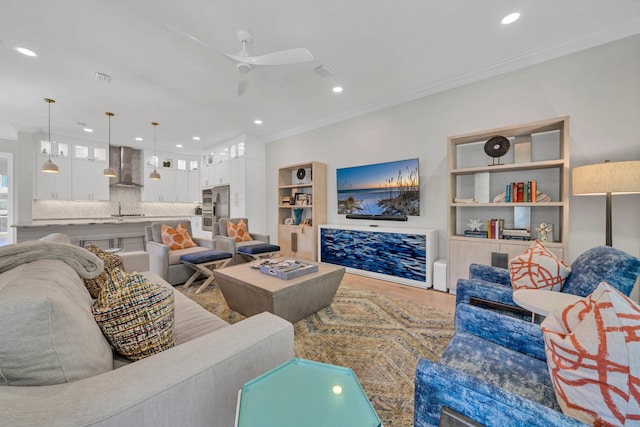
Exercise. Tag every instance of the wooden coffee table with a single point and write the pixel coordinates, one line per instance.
(249, 292)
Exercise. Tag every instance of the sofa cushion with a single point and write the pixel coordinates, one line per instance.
(538, 268)
(192, 320)
(593, 356)
(47, 333)
(238, 231)
(136, 316)
(110, 261)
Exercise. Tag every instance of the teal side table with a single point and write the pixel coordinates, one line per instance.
(305, 393)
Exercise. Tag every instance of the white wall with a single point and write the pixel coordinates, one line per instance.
(598, 88)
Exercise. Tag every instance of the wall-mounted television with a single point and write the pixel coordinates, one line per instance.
(389, 190)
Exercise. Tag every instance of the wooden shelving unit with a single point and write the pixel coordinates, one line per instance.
(301, 241)
(548, 165)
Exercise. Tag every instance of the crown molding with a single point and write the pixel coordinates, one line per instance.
(506, 65)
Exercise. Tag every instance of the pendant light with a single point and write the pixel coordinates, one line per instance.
(109, 172)
(48, 166)
(154, 175)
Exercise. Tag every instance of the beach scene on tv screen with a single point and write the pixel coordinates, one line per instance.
(391, 188)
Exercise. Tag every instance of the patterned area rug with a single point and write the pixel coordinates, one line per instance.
(379, 337)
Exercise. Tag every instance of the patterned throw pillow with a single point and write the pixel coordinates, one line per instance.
(593, 355)
(238, 231)
(177, 238)
(537, 268)
(110, 261)
(136, 316)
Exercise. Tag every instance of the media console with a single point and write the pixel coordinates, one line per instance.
(397, 254)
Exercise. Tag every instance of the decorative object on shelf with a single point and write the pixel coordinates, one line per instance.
(109, 172)
(497, 147)
(285, 200)
(301, 199)
(545, 232)
(607, 178)
(522, 149)
(474, 224)
(48, 166)
(307, 222)
(155, 176)
(301, 173)
(288, 221)
(297, 213)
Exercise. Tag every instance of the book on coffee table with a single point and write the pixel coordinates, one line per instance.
(288, 269)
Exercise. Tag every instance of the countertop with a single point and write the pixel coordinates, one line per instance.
(103, 220)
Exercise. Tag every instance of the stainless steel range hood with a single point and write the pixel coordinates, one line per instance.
(128, 164)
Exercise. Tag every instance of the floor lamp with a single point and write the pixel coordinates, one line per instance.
(606, 179)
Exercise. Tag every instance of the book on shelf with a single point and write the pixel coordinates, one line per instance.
(495, 228)
(521, 192)
(476, 234)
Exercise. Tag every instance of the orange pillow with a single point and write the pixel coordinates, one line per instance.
(538, 268)
(177, 238)
(593, 357)
(238, 231)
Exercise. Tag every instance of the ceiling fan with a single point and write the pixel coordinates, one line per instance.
(245, 62)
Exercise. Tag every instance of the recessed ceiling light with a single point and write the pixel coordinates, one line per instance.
(26, 51)
(89, 130)
(510, 18)
(139, 139)
(196, 138)
(337, 89)
(257, 121)
(179, 145)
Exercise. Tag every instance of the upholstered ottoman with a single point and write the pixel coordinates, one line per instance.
(259, 250)
(204, 263)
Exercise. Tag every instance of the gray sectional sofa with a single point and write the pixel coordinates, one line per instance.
(195, 383)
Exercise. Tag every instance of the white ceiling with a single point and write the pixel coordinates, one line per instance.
(382, 51)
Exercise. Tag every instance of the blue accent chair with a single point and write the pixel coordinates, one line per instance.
(602, 263)
(493, 371)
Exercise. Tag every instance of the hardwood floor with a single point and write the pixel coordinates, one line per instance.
(430, 297)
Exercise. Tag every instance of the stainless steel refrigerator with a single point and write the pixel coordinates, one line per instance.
(215, 205)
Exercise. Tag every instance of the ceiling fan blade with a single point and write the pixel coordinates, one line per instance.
(281, 57)
(188, 36)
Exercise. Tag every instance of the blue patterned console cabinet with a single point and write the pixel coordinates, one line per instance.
(396, 254)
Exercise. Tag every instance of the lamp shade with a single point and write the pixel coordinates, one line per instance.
(608, 177)
(49, 167)
(110, 172)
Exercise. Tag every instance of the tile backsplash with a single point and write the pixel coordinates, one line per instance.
(129, 199)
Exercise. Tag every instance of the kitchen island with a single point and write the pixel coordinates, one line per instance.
(109, 232)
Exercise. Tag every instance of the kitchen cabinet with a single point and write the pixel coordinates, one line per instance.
(54, 186)
(239, 163)
(162, 190)
(88, 181)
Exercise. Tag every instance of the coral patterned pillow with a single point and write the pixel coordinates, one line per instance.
(537, 268)
(238, 231)
(177, 238)
(593, 355)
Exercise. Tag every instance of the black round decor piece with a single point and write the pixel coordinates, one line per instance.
(301, 173)
(497, 146)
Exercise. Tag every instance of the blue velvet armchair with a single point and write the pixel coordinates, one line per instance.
(493, 371)
(602, 263)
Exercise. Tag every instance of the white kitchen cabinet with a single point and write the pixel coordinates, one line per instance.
(187, 186)
(54, 186)
(88, 181)
(163, 190)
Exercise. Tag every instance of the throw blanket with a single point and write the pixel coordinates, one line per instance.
(86, 264)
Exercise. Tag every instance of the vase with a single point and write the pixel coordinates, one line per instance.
(297, 215)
